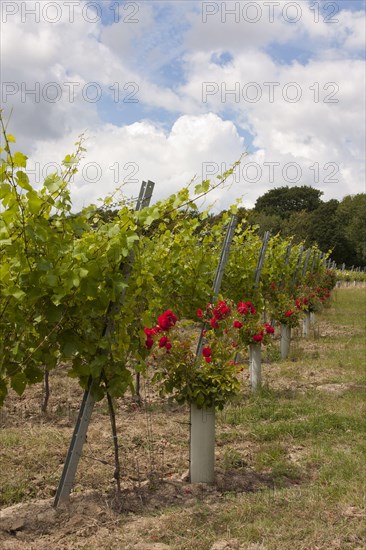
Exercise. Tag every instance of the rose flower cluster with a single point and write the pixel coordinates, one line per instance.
(249, 329)
(212, 378)
(165, 322)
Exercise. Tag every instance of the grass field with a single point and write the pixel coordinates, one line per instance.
(290, 461)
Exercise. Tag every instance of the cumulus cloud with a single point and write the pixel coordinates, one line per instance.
(202, 80)
(305, 117)
(127, 155)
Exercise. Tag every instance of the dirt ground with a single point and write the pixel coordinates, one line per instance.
(154, 459)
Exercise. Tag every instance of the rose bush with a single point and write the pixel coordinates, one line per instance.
(209, 379)
(286, 309)
(242, 322)
(314, 295)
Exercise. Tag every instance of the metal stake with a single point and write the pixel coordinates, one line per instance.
(202, 421)
(87, 405)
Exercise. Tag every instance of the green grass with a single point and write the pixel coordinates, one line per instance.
(310, 441)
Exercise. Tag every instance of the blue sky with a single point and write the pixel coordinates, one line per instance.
(185, 73)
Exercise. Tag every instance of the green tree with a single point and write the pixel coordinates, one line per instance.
(351, 216)
(266, 222)
(282, 201)
(325, 230)
(298, 226)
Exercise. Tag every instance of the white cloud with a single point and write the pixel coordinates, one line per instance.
(312, 134)
(242, 26)
(322, 128)
(143, 151)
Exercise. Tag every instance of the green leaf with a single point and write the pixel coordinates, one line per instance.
(23, 181)
(69, 160)
(44, 265)
(10, 138)
(69, 349)
(51, 279)
(18, 382)
(119, 383)
(131, 239)
(35, 203)
(19, 160)
(70, 343)
(6, 242)
(34, 373)
(53, 183)
(96, 365)
(17, 293)
(53, 313)
(202, 187)
(91, 289)
(5, 189)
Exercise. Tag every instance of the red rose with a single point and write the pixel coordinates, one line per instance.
(149, 342)
(250, 306)
(214, 323)
(206, 352)
(199, 313)
(269, 329)
(222, 310)
(164, 323)
(163, 341)
(288, 313)
(242, 308)
(208, 359)
(237, 324)
(167, 320)
(168, 346)
(258, 337)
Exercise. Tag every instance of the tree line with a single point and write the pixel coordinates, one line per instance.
(300, 212)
